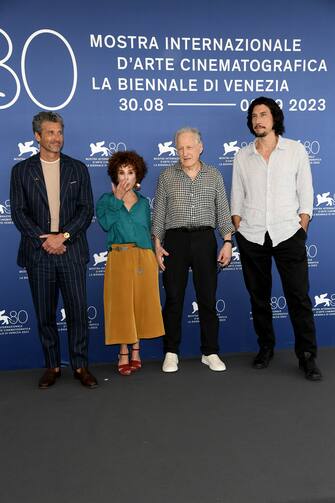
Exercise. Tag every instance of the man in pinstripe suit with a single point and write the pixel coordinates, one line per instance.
(52, 206)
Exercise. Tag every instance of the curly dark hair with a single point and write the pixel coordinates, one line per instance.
(126, 158)
(276, 112)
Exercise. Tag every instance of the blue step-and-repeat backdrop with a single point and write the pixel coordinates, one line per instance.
(127, 75)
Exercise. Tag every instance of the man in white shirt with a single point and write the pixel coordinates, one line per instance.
(272, 203)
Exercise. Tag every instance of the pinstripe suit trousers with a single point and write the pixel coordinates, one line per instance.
(51, 275)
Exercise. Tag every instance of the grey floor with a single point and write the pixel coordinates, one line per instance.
(242, 436)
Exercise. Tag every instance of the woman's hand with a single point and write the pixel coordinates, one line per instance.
(121, 189)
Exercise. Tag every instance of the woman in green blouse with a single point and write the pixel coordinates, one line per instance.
(131, 292)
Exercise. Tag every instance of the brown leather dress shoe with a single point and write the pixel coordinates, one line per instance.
(85, 377)
(48, 378)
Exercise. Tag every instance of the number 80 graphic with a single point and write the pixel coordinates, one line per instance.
(23, 70)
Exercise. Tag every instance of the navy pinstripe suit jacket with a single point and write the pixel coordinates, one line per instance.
(30, 208)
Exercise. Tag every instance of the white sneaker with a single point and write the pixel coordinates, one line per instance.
(170, 363)
(214, 362)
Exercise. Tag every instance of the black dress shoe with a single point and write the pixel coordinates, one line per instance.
(85, 377)
(48, 378)
(263, 358)
(308, 365)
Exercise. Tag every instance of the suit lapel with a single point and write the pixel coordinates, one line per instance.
(38, 177)
(65, 176)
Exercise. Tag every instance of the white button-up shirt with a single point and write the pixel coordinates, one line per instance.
(269, 196)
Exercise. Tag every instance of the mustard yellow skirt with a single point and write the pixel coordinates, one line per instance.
(131, 295)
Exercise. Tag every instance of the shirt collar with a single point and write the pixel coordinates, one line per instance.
(281, 145)
(139, 195)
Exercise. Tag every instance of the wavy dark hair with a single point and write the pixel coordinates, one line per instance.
(276, 112)
(126, 158)
(41, 117)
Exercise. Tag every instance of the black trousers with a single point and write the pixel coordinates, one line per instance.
(291, 261)
(49, 276)
(198, 250)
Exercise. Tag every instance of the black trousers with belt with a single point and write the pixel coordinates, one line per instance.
(291, 261)
(196, 249)
(47, 277)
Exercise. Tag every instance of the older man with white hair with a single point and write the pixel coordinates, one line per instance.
(190, 203)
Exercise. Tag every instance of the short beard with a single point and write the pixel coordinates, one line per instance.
(261, 135)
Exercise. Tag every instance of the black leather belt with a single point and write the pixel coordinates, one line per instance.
(193, 228)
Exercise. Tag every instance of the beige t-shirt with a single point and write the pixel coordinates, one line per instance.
(51, 172)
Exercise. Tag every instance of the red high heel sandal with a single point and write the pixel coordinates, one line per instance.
(124, 368)
(135, 364)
